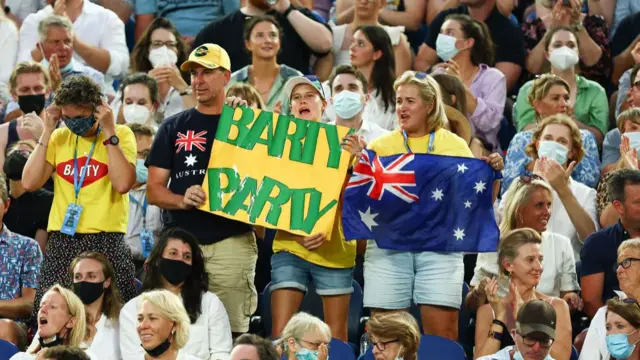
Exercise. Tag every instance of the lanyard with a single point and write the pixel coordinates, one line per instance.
(406, 142)
(143, 206)
(77, 183)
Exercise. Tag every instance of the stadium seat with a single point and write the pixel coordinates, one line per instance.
(138, 285)
(432, 348)
(7, 350)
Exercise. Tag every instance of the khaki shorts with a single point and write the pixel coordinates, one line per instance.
(231, 265)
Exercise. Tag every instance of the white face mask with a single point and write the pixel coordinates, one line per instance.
(137, 114)
(162, 56)
(563, 58)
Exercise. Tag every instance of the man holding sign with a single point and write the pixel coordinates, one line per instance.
(179, 158)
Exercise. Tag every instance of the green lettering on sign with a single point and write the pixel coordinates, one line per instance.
(216, 192)
(265, 196)
(247, 189)
(227, 121)
(254, 136)
(313, 211)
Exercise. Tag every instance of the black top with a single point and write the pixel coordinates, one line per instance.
(12, 134)
(507, 37)
(626, 33)
(228, 33)
(29, 212)
(188, 160)
(599, 254)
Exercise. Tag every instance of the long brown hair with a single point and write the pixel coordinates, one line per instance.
(140, 54)
(483, 50)
(112, 302)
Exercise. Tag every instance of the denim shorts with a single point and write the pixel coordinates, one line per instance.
(289, 271)
(396, 278)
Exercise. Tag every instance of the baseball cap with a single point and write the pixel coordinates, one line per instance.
(299, 80)
(210, 56)
(536, 316)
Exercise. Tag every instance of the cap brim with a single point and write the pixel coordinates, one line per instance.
(190, 64)
(291, 84)
(459, 123)
(528, 329)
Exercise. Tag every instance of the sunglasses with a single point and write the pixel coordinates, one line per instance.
(527, 179)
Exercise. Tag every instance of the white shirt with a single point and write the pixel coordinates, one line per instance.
(22, 8)
(559, 266)
(595, 344)
(95, 26)
(9, 46)
(560, 223)
(105, 342)
(369, 130)
(209, 337)
(373, 111)
(341, 55)
(504, 355)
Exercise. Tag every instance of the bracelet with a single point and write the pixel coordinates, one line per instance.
(41, 144)
(289, 10)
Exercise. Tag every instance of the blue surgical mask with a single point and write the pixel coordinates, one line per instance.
(553, 150)
(618, 345)
(141, 171)
(347, 104)
(306, 354)
(63, 70)
(634, 139)
(81, 126)
(446, 47)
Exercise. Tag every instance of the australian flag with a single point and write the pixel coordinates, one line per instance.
(421, 202)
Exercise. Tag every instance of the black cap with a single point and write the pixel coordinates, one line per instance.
(536, 316)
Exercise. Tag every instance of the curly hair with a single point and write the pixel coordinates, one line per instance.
(559, 119)
(79, 90)
(542, 85)
(196, 284)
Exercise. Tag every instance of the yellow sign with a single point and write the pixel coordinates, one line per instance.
(276, 171)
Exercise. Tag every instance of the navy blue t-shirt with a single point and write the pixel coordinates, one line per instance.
(599, 254)
(183, 145)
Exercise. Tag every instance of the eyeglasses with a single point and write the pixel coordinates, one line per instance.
(313, 345)
(527, 179)
(158, 44)
(381, 345)
(545, 343)
(626, 263)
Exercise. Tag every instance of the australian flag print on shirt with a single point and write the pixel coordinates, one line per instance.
(421, 202)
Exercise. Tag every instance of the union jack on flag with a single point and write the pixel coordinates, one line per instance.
(188, 141)
(391, 177)
(421, 202)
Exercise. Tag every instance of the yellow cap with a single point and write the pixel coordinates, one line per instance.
(210, 56)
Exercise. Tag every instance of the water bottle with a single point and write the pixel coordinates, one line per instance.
(365, 343)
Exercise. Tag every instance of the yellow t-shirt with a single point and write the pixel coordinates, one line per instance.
(103, 208)
(444, 143)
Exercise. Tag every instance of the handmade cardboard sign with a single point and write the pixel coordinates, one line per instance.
(276, 171)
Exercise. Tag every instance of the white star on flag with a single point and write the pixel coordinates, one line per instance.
(480, 187)
(437, 194)
(367, 218)
(190, 160)
(462, 168)
(458, 233)
(467, 204)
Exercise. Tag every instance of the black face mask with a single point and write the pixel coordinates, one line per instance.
(160, 349)
(88, 292)
(175, 271)
(14, 164)
(31, 103)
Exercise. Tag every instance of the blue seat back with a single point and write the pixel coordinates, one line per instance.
(312, 304)
(7, 350)
(574, 353)
(432, 348)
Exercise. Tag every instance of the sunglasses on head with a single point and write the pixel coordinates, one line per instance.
(527, 179)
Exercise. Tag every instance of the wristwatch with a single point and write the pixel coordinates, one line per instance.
(495, 335)
(187, 91)
(112, 140)
(288, 11)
